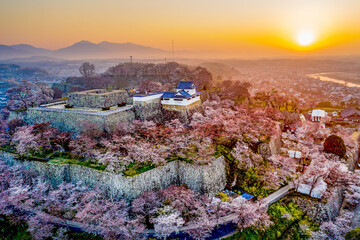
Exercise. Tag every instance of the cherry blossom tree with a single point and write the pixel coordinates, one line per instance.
(39, 136)
(39, 226)
(352, 193)
(335, 229)
(84, 145)
(246, 157)
(43, 93)
(285, 166)
(317, 171)
(250, 214)
(62, 141)
(14, 124)
(4, 135)
(45, 134)
(25, 140)
(169, 221)
(28, 94)
(21, 96)
(105, 217)
(146, 205)
(150, 86)
(201, 227)
(112, 161)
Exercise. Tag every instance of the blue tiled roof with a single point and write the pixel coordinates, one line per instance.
(180, 94)
(247, 196)
(185, 85)
(185, 94)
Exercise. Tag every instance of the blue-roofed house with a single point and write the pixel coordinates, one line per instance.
(183, 98)
(186, 95)
(186, 86)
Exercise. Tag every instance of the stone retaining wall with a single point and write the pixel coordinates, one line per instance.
(17, 115)
(182, 113)
(97, 98)
(320, 211)
(71, 120)
(150, 110)
(207, 179)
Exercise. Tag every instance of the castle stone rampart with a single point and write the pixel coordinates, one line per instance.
(71, 119)
(150, 110)
(97, 98)
(206, 179)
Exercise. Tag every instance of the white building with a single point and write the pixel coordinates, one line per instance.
(317, 192)
(180, 98)
(294, 154)
(147, 97)
(185, 95)
(188, 87)
(318, 115)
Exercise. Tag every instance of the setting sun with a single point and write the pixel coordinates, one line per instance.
(305, 38)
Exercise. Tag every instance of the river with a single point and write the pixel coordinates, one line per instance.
(328, 79)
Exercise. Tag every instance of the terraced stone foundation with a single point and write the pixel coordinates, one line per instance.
(207, 179)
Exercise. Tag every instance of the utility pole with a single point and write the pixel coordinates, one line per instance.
(131, 59)
(172, 49)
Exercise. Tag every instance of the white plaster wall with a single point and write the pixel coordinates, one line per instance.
(184, 102)
(147, 98)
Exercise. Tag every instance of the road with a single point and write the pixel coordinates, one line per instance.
(275, 196)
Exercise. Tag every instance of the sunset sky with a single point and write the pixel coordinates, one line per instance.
(269, 27)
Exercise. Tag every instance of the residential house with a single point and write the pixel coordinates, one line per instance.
(351, 114)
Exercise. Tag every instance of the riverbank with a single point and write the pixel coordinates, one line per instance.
(330, 77)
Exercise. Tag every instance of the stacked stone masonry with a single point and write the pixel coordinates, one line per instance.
(72, 120)
(207, 179)
(150, 110)
(97, 98)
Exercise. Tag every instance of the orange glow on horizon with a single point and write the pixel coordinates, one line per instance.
(277, 27)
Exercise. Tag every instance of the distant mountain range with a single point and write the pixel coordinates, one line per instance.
(83, 50)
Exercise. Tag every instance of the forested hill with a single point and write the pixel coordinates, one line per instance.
(8, 71)
(128, 75)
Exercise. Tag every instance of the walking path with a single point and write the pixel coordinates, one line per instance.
(222, 222)
(275, 196)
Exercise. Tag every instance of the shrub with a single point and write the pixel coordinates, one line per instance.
(353, 234)
(13, 124)
(325, 104)
(20, 110)
(335, 144)
(11, 229)
(223, 197)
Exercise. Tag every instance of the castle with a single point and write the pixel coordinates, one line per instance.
(107, 108)
(185, 97)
